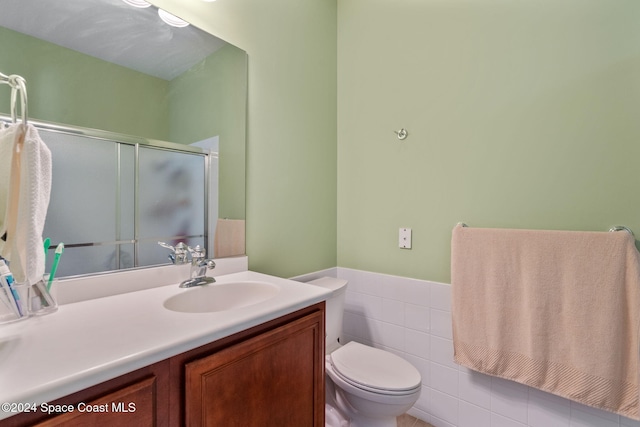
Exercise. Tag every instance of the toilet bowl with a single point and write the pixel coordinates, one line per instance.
(372, 386)
(367, 386)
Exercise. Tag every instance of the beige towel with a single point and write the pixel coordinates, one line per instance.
(555, 310)
(229, 238)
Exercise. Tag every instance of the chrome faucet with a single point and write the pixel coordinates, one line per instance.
(199, 263)
(179, 253)
(199, 266)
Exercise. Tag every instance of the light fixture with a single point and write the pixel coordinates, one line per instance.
(172, 20)
(137, 3)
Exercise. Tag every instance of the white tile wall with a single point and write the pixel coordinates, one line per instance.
(412, 318)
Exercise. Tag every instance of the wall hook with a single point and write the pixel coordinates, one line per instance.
(402, 133)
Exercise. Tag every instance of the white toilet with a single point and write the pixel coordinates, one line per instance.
(366, 386)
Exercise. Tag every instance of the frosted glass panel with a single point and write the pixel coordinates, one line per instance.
(127, 192)
(126, 256)
(83, 169)
(84, 260)
(111, 202)
(171, 194)
(92, 259)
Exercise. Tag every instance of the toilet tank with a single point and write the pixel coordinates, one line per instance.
(334, 309)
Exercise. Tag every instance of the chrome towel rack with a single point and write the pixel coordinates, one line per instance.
(622, 228)
(614, 228)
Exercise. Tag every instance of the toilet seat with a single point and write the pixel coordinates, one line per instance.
(375, 370)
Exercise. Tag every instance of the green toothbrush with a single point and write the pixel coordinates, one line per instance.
(54, 267)
(47, 242)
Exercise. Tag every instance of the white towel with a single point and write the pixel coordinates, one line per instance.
(27, 203)
(8, 136)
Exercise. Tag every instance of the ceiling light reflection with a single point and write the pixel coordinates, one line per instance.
(137, 3)
(172, 20)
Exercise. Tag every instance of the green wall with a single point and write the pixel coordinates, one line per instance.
(208, 100)
(521, 114)
(291, 125)
(59, 80)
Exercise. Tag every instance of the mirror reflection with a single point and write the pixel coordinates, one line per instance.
(105, 65)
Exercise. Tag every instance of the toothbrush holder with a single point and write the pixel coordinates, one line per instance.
(40, 300)
(13, 303)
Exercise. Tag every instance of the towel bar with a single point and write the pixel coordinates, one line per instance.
(614, 228)
(622, 228)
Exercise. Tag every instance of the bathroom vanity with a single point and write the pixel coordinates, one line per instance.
(261, 364)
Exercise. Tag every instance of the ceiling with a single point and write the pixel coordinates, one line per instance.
(113, 31)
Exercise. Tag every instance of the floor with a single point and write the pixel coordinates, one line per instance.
(409, 421)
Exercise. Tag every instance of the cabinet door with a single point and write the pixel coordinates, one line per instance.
(273, 379)
(129, 406)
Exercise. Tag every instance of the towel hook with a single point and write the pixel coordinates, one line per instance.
(18, 84)
(402, 133)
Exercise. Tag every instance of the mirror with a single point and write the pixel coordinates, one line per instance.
(105, 65)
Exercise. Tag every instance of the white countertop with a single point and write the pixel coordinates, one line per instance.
(86, 343)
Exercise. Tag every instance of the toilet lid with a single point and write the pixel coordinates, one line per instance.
(374, 368)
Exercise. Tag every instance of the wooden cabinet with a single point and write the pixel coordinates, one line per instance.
(139, 398)
(272, 379)
(268, 375)
(132, 405)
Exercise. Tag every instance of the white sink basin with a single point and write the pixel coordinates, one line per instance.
(221, 297)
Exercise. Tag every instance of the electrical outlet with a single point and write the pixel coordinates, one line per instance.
(404, 239)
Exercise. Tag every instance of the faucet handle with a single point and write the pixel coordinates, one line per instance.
(198, 253)
(164, 245)
(179, 255)
(198, 257)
